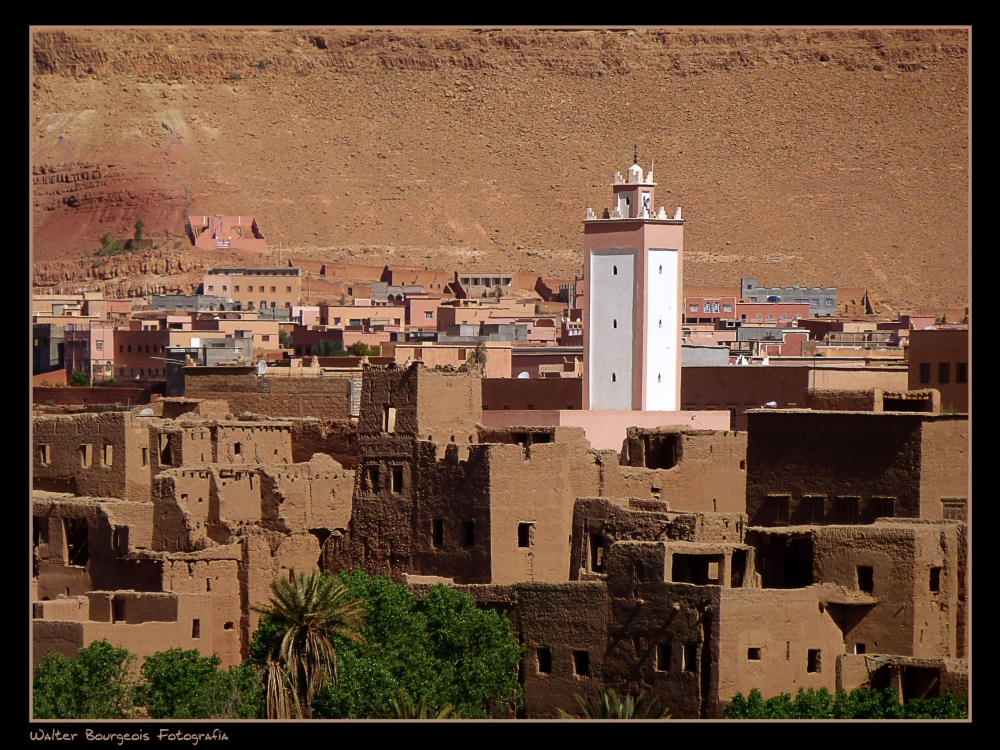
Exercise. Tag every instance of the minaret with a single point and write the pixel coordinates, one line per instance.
(633, 261)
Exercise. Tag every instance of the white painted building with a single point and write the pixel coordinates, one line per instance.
(632, 304)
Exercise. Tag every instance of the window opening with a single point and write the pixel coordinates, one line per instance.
(196, 628)
(813, 660)
(469, 533)
(581, 663)
(545, 660)
(389, 419)
(397, 480)
(935, 579)
(597, 553)
(524, 534)
(663, 657)
(690, 663)
(86, 455)
(866, 578)
(438, 532)
(77, 538)
(753, 654)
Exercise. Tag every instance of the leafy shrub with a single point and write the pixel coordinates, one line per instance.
(858, 704)
(79, 379)
(98, 684)
(285, 340)
(330, 348)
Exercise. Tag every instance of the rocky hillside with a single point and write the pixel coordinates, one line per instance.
(817, 157)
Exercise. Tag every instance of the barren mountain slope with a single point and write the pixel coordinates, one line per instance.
(817, 157)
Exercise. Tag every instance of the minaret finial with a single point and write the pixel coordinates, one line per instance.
(635, 154)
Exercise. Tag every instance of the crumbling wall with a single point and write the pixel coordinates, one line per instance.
(693, 470)
(336, 438)
(253, 443)
(827, 399)
(450, 405)
(304, 496)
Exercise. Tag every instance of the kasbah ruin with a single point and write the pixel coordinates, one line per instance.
(671, 481)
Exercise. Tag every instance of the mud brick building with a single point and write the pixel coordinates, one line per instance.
(829, 466)
(940, 359)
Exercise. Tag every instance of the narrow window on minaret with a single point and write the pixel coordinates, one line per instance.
(614, 270)
(612, 377)
(614, 323)
(661, 324)
(661, 269)
(659, 379)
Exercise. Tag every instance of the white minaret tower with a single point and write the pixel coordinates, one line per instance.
(633, 263)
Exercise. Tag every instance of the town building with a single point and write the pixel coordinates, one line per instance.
(255, 288)
(821, 300)
(939, 358)
(226, 232)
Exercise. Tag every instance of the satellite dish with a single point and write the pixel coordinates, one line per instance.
(261, 369)
(146, 413)
(522, 376)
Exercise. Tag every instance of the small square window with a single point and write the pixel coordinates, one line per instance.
(779, 506)
(690, 658)
(848, 510)
(813, 660)
(581, 663)
(935, 579)
(859, 648)
(663, 656)
(953, 508)
(866, 578)
(944, 373)
(753, 654)
(438, 532)
(813, 509)
(545, 660)
(883, 507)
(524, 534)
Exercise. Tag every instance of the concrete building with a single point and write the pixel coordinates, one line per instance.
(89, 348)
(821, 300)
(190, 302)
(633, 261)
(255, 288)
(48, 348)
(226, 232)
(939, 358)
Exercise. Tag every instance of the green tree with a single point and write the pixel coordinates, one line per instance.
(361, 349)
(304, 614)
(498, 292)
(478, 355)
(608, 705)
(285, 340)
(79, 379)
(330, 348)
(98, 684)
(110, 246)
(444, 649)
(184, 685)
(137, 237)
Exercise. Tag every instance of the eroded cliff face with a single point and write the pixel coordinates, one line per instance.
(833, 157)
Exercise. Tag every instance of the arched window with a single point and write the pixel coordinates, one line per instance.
(614, 270)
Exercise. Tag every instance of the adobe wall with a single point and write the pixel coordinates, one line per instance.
(252, 443)
(215, 573)
(844, 400)
(336, 438)
(312, 495)
(933, 348)
(90, 395)
(142, 639)
(110, 528)
(784, 624)
(888, 378)
(524, 393)
(832, 454)
(708, 474)
(450, 405)
(326, 398)
(557, 473)
(742, 388)
(172, 408)
(65, 437)
(909, 619)
(945, 458)
(562, 617)
(604, 521)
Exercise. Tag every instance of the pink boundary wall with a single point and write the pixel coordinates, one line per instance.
(606, 429)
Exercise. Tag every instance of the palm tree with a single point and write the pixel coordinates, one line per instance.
(306, 610)
(608, 705)
(405, 708)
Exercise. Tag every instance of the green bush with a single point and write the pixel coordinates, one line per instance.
(97, 684)
(285, 340)
(79, 379)
(858, 704)
(444, 649)
(361, 349)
